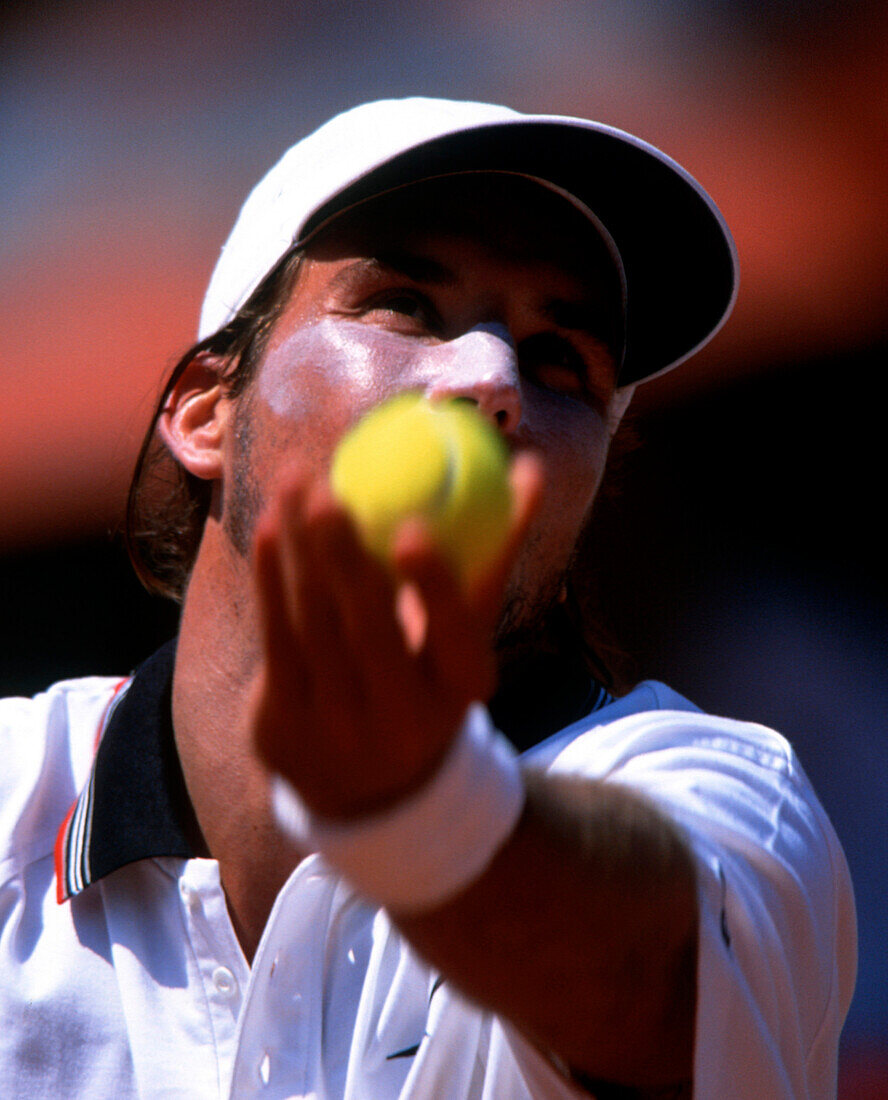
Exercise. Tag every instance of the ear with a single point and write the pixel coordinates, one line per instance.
(195, 417)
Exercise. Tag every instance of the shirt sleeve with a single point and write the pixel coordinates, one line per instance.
(777, 946)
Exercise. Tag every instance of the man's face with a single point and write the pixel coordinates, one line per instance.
(484, 287)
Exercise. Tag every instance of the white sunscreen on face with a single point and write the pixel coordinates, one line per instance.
(317, 357)
(374, 362)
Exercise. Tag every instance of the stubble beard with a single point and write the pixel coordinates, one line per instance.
(530, 608)
(245, 501)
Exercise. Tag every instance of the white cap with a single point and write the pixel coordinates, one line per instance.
(678, 258)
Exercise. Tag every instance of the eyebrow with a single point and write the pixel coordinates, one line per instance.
(417, 268)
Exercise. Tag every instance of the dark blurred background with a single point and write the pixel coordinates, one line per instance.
(744, 564)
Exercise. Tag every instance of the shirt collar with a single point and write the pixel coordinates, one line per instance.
(135, 804)
(541, 695)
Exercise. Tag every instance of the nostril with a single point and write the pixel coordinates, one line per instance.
(500, 404)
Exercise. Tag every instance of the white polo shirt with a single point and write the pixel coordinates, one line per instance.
(121, 975)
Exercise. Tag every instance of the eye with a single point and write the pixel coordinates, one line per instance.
(403, 308)
(551, 361)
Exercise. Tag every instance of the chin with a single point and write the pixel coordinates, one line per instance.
(525, 623)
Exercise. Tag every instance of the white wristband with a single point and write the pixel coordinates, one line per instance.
(435, 842)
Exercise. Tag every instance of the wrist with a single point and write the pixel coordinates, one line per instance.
(432, 844)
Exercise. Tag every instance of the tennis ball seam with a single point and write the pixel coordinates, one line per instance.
(439, 460)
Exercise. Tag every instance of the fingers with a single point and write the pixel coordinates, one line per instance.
(455, 645)
(316, 578)
(371, 721)
(321, 594)
(460, 621)
(367, 671)
(413, 549)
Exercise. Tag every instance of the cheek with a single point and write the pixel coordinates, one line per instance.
(304, 373)
(331, 372)
(573, 440)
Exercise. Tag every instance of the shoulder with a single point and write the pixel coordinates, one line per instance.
(737, 781)
(738, 792)
(46, 744)
(655, 727)
(777, 918)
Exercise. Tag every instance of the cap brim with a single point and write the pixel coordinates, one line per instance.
(678, 255)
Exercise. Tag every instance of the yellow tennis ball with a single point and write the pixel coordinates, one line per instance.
(442, 461)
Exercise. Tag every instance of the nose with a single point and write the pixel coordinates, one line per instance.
(482, 366)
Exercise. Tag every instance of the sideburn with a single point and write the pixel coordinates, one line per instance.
(243, 501)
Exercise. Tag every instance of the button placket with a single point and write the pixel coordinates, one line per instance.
(278, 1039)
(216, 954)
(189, 895)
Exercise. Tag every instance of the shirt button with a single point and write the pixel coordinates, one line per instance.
(224, 981)
(188, 894)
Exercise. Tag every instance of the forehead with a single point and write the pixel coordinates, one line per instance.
(514, 219)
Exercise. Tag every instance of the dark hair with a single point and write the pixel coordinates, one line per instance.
(167, 506)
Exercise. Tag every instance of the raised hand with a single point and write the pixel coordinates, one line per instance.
(367, 670)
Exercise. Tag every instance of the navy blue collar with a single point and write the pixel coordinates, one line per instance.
(135, 804)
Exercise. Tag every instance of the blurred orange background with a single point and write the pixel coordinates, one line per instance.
(132, 133)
